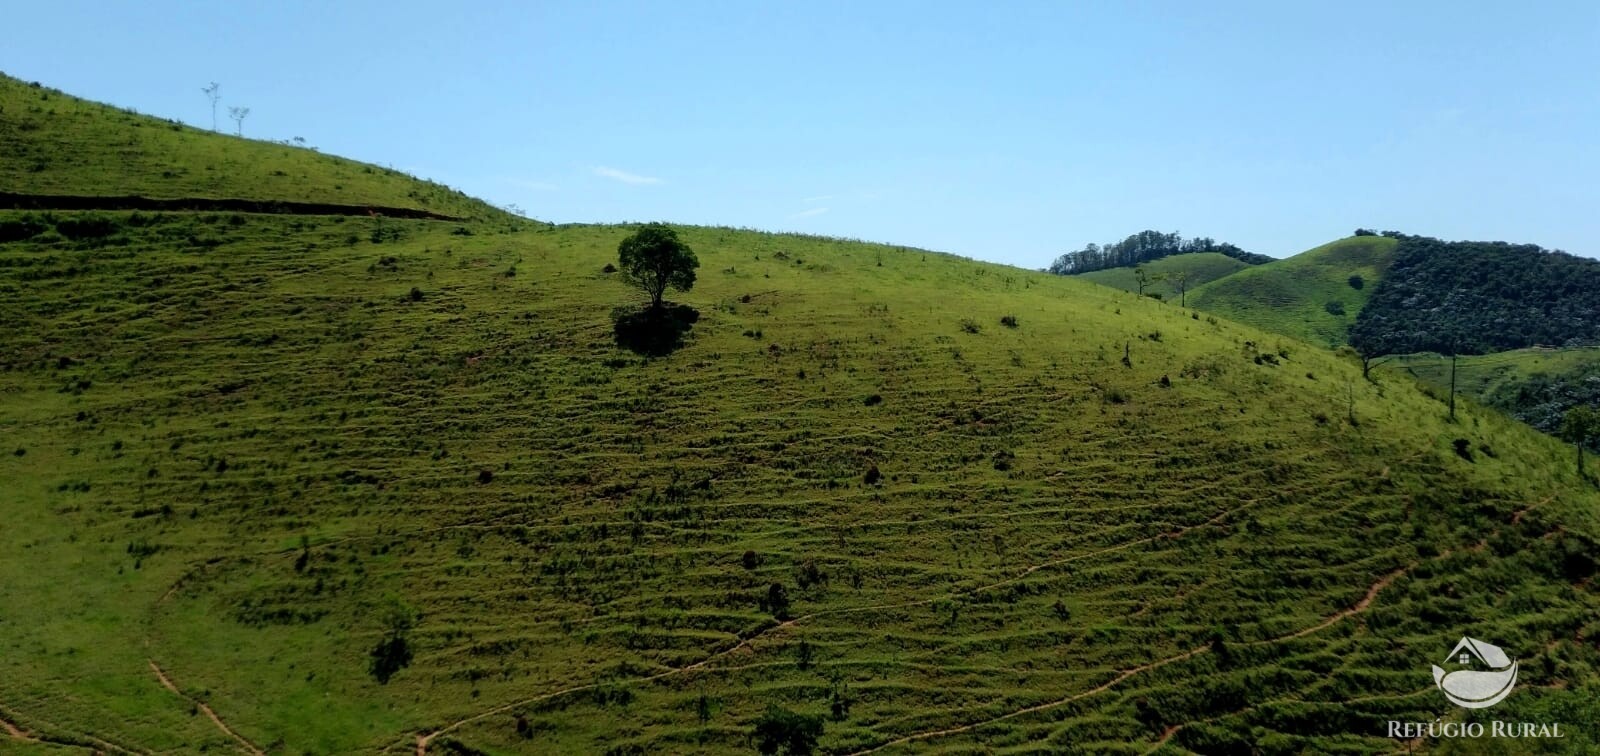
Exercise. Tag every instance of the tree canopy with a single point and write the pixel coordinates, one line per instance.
(653, 259)
(1145, 246)
(1479, 297)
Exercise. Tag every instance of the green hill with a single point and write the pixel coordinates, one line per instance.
(320, 484)
(1309, 296)
(55, 144)
(1202, 267)
(1536, 386)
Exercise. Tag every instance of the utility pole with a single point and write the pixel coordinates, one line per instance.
(1452, 385)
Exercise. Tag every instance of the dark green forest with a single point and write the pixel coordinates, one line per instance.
(1144, 247)
(1479, 297)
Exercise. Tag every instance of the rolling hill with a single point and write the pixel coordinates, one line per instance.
(59, 145)
(309, 483)
(1536, 386)
(1310, 296)
(1201, 267)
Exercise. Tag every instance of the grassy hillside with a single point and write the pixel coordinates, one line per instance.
(1537, 386)
(53, 143)
(1202, 267)
(235, 464)
(327, 484)
(1308, 296)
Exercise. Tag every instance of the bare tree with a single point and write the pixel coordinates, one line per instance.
(238, 115)
(1181, 279)
(214, 94)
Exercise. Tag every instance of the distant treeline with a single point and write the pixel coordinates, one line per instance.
(1479, 297)
(1143, 247)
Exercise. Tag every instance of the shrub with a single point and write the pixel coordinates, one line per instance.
(83, 227)
(1009, 321)
(18, 229)
(1357, 282)
(783, 731)
(750, 560)
(609, 268)
(1334, 308)
(776, 601)
(970, 326)
(416, 294)
(1463, 448)
(873, 401)
(873, 476)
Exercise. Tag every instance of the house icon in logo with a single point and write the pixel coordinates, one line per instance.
(1477, 688)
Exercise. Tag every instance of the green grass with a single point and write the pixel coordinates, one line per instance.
(231, 441)
(53, 143)
(1203, 267)
(1022, 467)
(1293, 296)
(1483, 375)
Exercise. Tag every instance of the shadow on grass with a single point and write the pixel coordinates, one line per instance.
(653, 332)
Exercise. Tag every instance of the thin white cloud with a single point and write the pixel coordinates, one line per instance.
(538, 186)
(624, 176)
(812, 213)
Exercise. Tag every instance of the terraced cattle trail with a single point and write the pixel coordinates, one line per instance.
(166, 682)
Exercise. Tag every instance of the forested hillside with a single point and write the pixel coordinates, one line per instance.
(1145, 246)
(1479, 297)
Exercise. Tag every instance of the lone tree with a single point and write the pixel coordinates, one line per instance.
(214, 94)
(1180, 279)
(238, 115)
(653, 259)
(1581, 425)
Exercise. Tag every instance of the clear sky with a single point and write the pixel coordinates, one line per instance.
(1006, 131)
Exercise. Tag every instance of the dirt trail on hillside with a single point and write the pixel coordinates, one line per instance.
(425, 739)
(85, 742)
(14, 201)
(17, 733)
(166, 682)
(1357, 608)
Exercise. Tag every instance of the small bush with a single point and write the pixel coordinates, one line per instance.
(1463, 448)
(873, 401)
(783, 731)
(750, 560)
(1009, 321)
(970, 326)
(19, 229)
(1334, 308)
(1357, 282)
(873, 476)
(416, 294)
(609, 268)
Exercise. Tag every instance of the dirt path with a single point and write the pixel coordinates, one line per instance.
(1357, 608)
(17, 733)
(166, 682)
(78, 740)
(424, 740)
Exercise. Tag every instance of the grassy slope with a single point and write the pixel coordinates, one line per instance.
(1203, 267)
(606, 546)
(232, 439)
(1290, 296)
(53, 143)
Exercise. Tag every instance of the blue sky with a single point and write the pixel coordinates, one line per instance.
(1006, 131)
